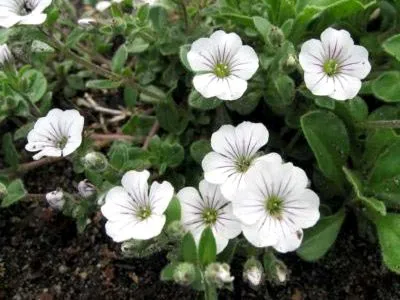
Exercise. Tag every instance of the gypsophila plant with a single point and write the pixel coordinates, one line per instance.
(210, 131)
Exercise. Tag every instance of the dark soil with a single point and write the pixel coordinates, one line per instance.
(43, 257)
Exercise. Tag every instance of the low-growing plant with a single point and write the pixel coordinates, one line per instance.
(209, 130)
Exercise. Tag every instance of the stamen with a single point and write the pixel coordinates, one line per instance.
(210, 216)
(331, 67)
(274, 206)
(222, 70)
(243, 163)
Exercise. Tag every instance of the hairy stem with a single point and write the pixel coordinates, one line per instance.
(152, 132)
(380, 124)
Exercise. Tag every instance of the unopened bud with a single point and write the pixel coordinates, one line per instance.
(130, 247)
(290, 64)
(86, 189)
(5, 55)
(276, 36)
(3, 191)
(253, 272)
(56, 199)
(95, 161)
(184, 274)
(175, 230)
(281, 271)
(103, 5)
(87, 22)
(218, 274)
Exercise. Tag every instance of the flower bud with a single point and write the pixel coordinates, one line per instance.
(184, 274)
(253, 272)
(95, 161)
(56, 199)
(5, 55)
(3, 191)
(218, 274)
(86, 189)
(290, 64)
(276, 36)
(281, 271)
(175, 230)
(87, 22)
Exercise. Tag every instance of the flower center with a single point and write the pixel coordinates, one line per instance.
(210, 216)
(243, 164)
(222, 70)
(61, 143)
(274, 206)
(331, 67)
(143, 213)
(26, 8)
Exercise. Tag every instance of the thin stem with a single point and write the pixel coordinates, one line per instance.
(112, 137)
(185, 14)
(380, 124)
(26, 167)
(152, 132)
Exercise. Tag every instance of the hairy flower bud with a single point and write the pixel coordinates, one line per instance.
(281, 271)
(253, 272)
(5, 55)
(56, 199)
(276, 36)
(175, 230)
(87, 22)
(95, 161)
(184, 274)
(86, 189)
(3, 191)
(290, 64)
(218, 274)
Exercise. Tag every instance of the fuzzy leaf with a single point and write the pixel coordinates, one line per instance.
(207, 247)
(189, 249)
(15, 192)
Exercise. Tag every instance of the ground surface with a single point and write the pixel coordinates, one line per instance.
(43, 257)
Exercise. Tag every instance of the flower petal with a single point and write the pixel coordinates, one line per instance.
(191, 207)
(356, 64)
(149, 227)
(319, 84)
(251, 137)
(262, 234)
(312, 56)
(118, 204)
(160, 196)
(217, 168)
(223, 141)
(245, 63)
(33, 19)
(232, 88)
(121, 230)
(227, 44)
(201, 56)
(135, 183)
(208, 85)
(290, 242)
(249, 206)
(49, 152)
(345, 87)
(232, 185)
(336, 43)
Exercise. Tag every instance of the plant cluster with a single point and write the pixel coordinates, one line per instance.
(259, 125)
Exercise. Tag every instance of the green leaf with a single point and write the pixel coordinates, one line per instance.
(130, 97)
(199, 149)
(318, 239)
(373, 204)
(37, 85)
(102, 84)
(164, 154)
(207, 247)
(75, 36)
(386, 86)
(167, 273)
(173, 212)
(327, 136)
(23, 131)
(384, 179)
(171, 118)
(197, 101)
(119, 59)
(388, 229)
(119, 155)
(247, 104)
(15, 192)
(183, 51)
(189, 249)
(158, 94)
(280, 91)
(392, 46)
(11, 156)
(263, 27)
(138, 45)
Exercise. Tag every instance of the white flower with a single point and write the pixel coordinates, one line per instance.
(85, 22)
(235, 153)
(276, 205)
(334, 66)
(254, 275)
(5, 54)
(56, 199)
(132, 212)
(27, 12)
(57, 134)
(103, 5)
(219, 274)
(86, 189)
(208, 209)
(223, 65)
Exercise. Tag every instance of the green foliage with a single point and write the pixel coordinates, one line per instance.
(207, 247)
(15, 192)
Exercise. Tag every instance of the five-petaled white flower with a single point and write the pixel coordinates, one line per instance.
(276, 205)
(235, 153)
(208, 209)
(5, 54)
(133, 212)
(57, 134)
(27, 12)
(334, 66)
(223, 65)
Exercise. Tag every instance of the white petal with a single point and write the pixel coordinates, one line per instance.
(251, 137)
(312, 56)
(302, 209)
(319, 84)
(288, 179)
(210, 192)
(148, 228)
(272, 157)
(220, 241)
(200, 56)
(208, 85)
(33, 19)
(10, 20)
(227, 224)
(217, 168)
(121, 230)
(290, 242)
(71, 124)
(49, 152)
(192, 207)
(232, 88)
(232, 185)
(118, 204)
(345, 87)
(41, 5)
(135, 183)
(249, 205)
(160, 196)
(245, 63)
(103, 5)
(336, 43)
(223, 141)
(356, 64)
(262, 234)
(227, 44)
(71, 146)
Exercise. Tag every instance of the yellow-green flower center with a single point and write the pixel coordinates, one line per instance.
(222, 70)
(274, 206)
(331, 67)
(144, 213)
(243, 164)
(210, 216)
